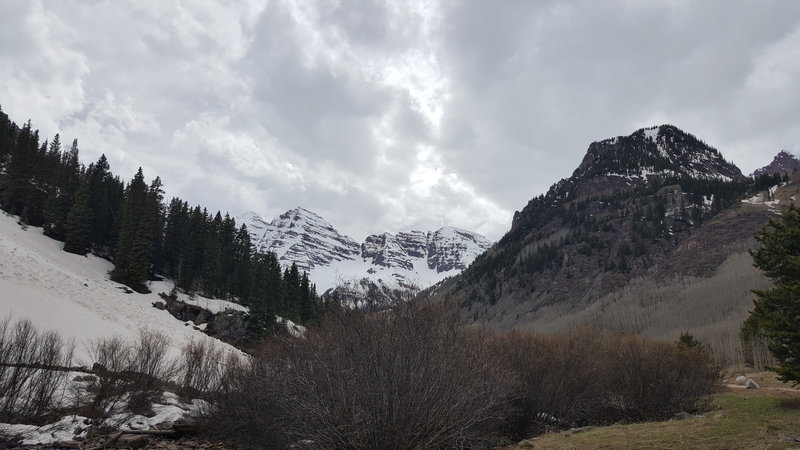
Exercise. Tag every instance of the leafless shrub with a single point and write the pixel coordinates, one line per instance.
(583, 377)
(204, 368)
(31, 370)
(130, 375)
(104, 396)
(408, 378)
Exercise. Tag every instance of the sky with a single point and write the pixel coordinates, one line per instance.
(394, 115)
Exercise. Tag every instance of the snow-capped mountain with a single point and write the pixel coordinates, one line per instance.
(419, 258)
(783, 163)
(302, 237)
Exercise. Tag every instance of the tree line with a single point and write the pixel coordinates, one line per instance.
(94, 211)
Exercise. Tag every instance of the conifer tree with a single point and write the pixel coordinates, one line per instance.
(79, 222)
(777, 310)
(20, 171)
(291, 280)
(134, 250)
(242, 258)
(101, 186)
(307, 299)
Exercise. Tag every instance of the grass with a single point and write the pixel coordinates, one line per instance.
(738, 418)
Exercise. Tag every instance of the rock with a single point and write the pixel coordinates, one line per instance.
(789, 438)
(741, 379)
(751, 384)
(131, 441)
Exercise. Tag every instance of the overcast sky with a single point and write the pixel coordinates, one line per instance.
(389, 116)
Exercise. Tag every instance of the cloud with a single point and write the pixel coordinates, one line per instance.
(386, 116)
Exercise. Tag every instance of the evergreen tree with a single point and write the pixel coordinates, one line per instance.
(242, 257)
(79, 222)
(20, 171)
(8, 131)
(134, 250)
(101, 186)
(291, 282)
(63, 187)
(777, 310)
(307, 299)
(177, 218)
(156, 217)
(212, 258)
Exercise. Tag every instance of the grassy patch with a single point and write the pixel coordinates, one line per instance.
(738, 419)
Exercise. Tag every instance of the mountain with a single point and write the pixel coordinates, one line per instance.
(417, 258)
(302, 237)
(783, 163)
(643, 217)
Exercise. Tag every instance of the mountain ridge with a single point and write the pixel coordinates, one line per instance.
(784, 163)
(302, 237)
(632, 201)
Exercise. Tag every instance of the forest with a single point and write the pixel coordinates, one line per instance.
(92, 210)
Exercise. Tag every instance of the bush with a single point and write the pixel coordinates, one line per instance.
(130, 375)
(29, 386)
(585, 378)
(408, 378)
(206, 369)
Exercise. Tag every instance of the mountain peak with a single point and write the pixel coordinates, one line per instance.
(665, 151)
(783, 163)
(303, 237)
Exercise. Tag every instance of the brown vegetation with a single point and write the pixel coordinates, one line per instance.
(414, 377)
(29, 389)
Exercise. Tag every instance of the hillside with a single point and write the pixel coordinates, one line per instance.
(72, 294)
(649, 234)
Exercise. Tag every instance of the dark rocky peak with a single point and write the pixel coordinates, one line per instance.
(664, 151)
(619, 167)
(784, 163)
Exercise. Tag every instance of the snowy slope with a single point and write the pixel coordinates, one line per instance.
(417, 258)
(72, 294)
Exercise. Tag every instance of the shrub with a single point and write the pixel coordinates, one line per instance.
(30, 378)
(585, 378)
(407, 378)
(205, 368)
(130, 375)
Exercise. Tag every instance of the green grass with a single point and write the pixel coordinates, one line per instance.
(747, 419)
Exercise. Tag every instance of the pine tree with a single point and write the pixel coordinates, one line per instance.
(212, 258)
(101, 186)
(307, 299)
(291, 281)
(79, 222)
(777, 310)
(177, 218)
(20, 172)
(242, 257)
(134, 250)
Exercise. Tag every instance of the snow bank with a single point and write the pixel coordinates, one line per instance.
(73, 295)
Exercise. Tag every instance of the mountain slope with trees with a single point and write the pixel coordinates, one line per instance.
(641, 216)
(92, 210)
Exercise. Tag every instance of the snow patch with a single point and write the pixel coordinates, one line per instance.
(73, 295)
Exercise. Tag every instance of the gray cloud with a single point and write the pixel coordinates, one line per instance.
(383, 116)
